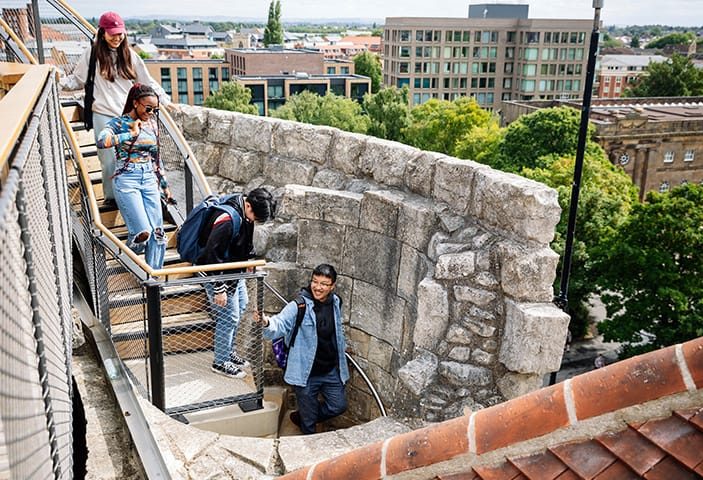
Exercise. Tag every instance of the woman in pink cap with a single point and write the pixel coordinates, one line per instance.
(117, 68)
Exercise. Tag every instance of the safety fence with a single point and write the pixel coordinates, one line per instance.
(35, 285)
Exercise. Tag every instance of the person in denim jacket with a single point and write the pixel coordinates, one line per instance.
(316, 362)
(138, 175)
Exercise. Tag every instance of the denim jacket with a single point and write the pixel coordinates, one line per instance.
(302, 355)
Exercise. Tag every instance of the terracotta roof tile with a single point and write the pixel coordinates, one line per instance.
(633, 449)
(362, 464)
(693, 353)
(471, 475)
(670, 469)
(523, 418)
(568, 475)
(629, 382)
(543, 466)
(617, 471)
(677, 437)
(501, 472)
(586, 459)
(697, 419)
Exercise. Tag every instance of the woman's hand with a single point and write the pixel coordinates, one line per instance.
(135, 127)
(220, 299)
(261, 318)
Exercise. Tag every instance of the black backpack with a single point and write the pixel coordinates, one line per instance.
(89, 88)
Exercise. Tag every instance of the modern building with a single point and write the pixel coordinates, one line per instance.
(618, 72)
(272, 91)
(274, 60)
(491, 59)
(186, 47)
(338, 66)
(657, 141)
(189, 81)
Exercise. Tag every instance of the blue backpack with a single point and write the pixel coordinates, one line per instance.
(188, 237)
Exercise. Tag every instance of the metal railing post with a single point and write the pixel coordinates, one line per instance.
(37, 31)
(189, 189)
(156, 347)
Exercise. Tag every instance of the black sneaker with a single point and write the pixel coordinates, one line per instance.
(295, 418)
(238, 361)
(228, 369)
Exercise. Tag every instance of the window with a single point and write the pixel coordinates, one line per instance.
(507, 83)
(330, 70)
(182, 85)
(403, 67)
(419, 35)
(197, 86)
(344, 70)
(531, 53)
(509, 52)
(405, 52)
(529, 69)
(532, 37)
(166, 80)
(212, 79)
(225, 74)
(275, 91)
(405, 35)
(688, 156)
(511, 37)
(669, 157)
(528, 85)
(624, 159)
(664, 186)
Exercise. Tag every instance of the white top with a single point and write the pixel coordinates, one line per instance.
(110, 97)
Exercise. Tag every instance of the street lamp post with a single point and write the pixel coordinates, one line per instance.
(561, 300)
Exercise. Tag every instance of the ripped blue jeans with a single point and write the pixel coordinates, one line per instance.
(139, 200)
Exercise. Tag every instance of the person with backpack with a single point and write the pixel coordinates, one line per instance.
(107, 71)
(228, 236)
(316, 364)
(138, 177)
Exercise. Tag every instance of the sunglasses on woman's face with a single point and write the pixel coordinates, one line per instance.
(149, 108)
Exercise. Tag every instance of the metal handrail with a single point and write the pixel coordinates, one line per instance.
(358, 368)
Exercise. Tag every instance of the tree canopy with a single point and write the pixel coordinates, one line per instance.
(369, 65)
(438, 125)
(273, 32)
(388, 112)
(676, 77)
(651, 272)
(232, 96)
(332, 110)
(675, 38)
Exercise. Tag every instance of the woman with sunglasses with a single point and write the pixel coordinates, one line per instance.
(115, 68)
(138, 174)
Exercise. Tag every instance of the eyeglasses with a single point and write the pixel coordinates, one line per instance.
(321, 284)
(149, 108)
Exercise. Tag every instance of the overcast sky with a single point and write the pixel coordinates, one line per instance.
(620, 12)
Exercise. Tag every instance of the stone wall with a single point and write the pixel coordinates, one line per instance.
(445, 267)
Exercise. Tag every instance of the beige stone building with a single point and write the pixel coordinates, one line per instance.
(657, 141)
(491, 59)
(189, 81)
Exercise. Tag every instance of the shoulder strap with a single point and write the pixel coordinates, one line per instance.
(91, 64)
(300, 301)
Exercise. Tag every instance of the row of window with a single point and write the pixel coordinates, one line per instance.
(197, 76)
(688, 156)
(665, 186)
(484, 99)
(530, 54)
(484, 36)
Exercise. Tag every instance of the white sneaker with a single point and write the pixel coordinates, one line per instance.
(228, 369)
(238, 361)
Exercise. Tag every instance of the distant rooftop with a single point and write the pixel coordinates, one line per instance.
(498, 10)
(296, 51)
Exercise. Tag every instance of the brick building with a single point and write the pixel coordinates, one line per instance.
(618, 72)
(271, 61)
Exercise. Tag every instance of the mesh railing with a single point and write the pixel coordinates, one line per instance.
(35, 288)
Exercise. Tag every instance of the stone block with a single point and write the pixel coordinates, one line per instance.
(372, 257)
(419, 173)
(385, 161)
(534, 337)
(361, 185)
(419, 372)
(455, 266)
(253, 133)
(331, 179)
(463, 375)
(380, 353)
(432, 314)
(284, 278)
(282, 171)
(195, 122)
(219, 127)
(417, 223)
(378, 312)
(477, 296)
(334, 206)
(480, 357)
(453, 182)
(208, 155)
(458, 334)
(319, 242)
(513, 385)
(481, 329)
(460, 354)
(239, 165)
(345, 153)
(359, 342)
(413, 268)
(379, 211)
(448, 219)
(515, 204)
(527, 274)
(303, 142)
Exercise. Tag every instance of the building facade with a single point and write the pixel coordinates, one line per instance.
(272, 91)
(491, 59)
(657, 141)
(618, 72)
(189, 81)
(274, 61)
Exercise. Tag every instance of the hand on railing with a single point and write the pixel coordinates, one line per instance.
(260, 318)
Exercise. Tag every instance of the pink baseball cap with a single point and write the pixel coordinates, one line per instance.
(112, 23)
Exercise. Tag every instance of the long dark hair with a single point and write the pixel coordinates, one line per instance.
(123, 67)
(138, 90)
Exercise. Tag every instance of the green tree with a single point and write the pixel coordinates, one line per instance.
(532, 138)
(143, 55)
(388, 112)
(438, 125)
(369, 65)
(331, 110)
(635, 41)
(234, 97)
(672, 39)
(605, 200)
(610, 42)
(676, 77)
(273, 33)
(481, 143)
(652, 273)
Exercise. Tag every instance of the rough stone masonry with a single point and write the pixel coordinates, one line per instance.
(445, 266)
